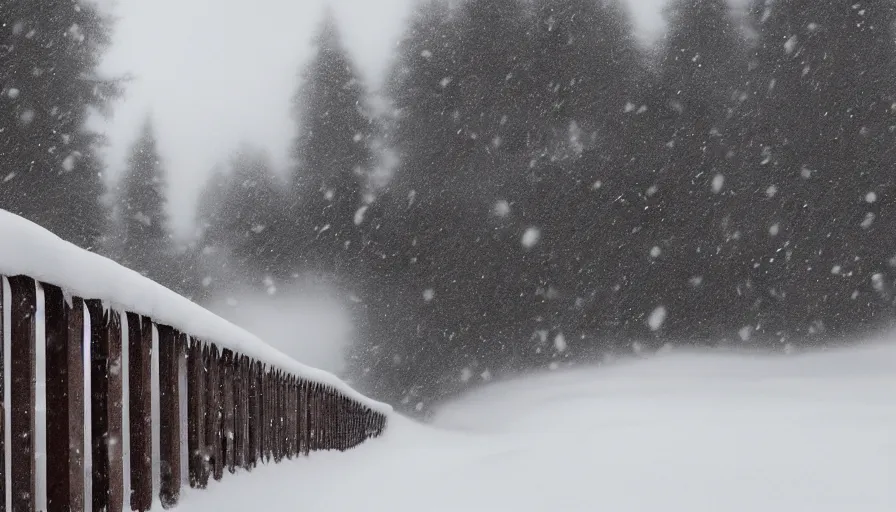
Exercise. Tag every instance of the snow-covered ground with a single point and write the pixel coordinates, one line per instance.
(680, 432)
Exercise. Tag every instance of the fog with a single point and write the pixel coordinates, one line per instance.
(303, 323)
(215, 73)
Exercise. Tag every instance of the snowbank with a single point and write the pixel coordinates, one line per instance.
(680, 432)
(28, 249)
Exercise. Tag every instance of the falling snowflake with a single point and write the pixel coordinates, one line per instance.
(657, 318)
(359, 215)
(655, 252)
(501, 208)
(869, 220)
(68, 164)
(718, 182)
(774, 229)
(560, 343)
(13, 93)
(531, 237)
(871, 197)
(426, 54)
(466, 374)
(790, 45)
(429, 294)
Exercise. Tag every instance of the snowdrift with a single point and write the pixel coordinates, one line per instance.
(679, 432)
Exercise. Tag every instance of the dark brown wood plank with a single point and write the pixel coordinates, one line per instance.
(140, 409)
(237, 369)
(171, 345)
(243, 418)
(303, 417)
(106, 407)
(214, 407)
(65, 400)
(115, 438)
(2, 404)
(278, 417)
(22, 392)
(229, 427)
(254, 433)
(268, 414)
(196, 419)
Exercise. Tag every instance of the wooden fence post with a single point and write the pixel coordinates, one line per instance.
(196, 420)
(227, 381)
(22, 392)
(244, 407)
(278, 416)
(254, 434)
(2, 404)
(64, 326)
(140, 409)
(106, 407)
(238, 397)
(171, 345)
(215, 413)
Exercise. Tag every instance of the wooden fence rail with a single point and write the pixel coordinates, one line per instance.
(239, 411)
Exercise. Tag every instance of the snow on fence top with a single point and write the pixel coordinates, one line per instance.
(30, 250)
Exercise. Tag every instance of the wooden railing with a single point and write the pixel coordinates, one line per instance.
(232, 411)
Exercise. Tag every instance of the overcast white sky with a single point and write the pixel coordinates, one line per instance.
(213, 73)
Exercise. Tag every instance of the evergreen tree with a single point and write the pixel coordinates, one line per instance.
(48, 86)
(334, 157)
(586, 161)
(145, 243)
(688, 245)
(822, 123)
(243, 240)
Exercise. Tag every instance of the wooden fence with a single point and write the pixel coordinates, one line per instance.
(239, 412)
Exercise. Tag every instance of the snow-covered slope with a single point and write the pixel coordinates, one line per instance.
(680, 432)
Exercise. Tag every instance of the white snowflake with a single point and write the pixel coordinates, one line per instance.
(718, 181)
(869, 220)
(359, 215)
(657, 318)
(531, 237)
(790, 45)
(429, 294)
(501, 208)
(560, 343)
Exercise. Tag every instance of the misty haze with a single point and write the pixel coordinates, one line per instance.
(579, 254)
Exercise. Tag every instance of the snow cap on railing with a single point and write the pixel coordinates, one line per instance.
(30, 250)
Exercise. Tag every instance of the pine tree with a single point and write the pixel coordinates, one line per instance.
(245, 237)
(689, 243)
(334, 157)
(823, 120)
(145, 244)
(48, 87)
(584, 168)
